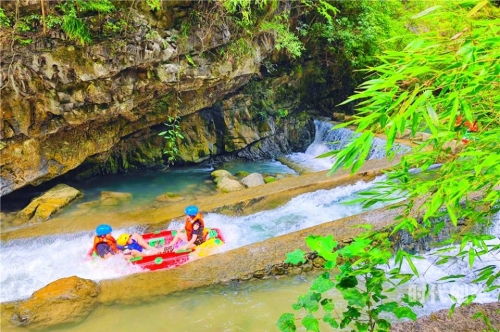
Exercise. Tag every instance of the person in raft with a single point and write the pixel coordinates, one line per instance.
(192, 232)
(135, 245)
(104, 242)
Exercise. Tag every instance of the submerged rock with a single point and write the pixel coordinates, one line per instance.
(111, 198)
(219, 174)
(117, 195)
(169, 197)
(67, 300)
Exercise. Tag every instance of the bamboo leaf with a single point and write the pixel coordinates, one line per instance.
(472, 256)
(455, 276)
(452, 215)
(425, 12)
(412, 266)
(477, 8)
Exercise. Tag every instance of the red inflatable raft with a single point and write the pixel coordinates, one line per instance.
(213, 239)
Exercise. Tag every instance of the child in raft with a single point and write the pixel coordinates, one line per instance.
(105, 245)
(192, 232)
(135, 245)
(104, 242)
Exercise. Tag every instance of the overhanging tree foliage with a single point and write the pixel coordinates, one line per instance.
(445, 84)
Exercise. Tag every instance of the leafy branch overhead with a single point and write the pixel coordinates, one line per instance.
(361, 280)
(439, 84)
(441, 92)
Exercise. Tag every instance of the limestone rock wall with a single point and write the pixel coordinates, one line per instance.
(64, 105)
(228, 129)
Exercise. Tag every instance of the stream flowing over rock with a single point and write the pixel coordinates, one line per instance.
(72, 299)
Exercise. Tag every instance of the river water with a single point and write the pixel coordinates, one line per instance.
(29, 264)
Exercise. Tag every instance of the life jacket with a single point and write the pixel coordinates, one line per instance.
(108, 239)
(189, 225)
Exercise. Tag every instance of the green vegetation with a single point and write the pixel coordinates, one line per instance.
(267, 101)
(73, 24)
(245, 11)
(4, 20)
(154, 4)
(344, 36)
(69, 16)
(269, 179)
(361, 280)
(285, 39)
(169, 104)
(171, 135)
(444, 82)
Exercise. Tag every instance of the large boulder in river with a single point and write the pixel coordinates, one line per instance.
(253, 180)
(42, 207)
(67, 300)
(227, 184)
(225, 181)
(219, 174)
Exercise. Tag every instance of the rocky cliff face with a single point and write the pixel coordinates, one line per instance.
(64, 105)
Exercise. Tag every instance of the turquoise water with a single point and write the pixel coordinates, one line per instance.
(187, 182)
(146, 185)
(268, 167)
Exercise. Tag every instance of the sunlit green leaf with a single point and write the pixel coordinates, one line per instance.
(295, 257)
(286, 323)
(405, 312)
(310, 323)
(322, 283)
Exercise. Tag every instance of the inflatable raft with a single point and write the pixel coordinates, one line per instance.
(213, 239)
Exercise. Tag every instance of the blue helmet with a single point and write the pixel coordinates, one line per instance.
(103, 230)
(191, 210)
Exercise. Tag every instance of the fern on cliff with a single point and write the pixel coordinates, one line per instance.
(73, 25)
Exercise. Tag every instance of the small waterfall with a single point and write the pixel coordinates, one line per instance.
(326, 139)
